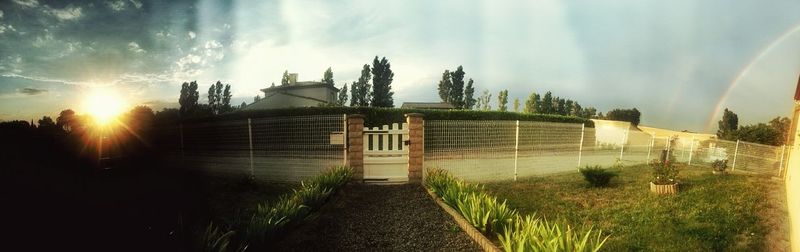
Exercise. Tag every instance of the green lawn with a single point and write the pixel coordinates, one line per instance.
(710, 212)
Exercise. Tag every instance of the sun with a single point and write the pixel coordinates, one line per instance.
(103, 105)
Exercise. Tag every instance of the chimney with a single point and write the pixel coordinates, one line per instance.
(292, 78)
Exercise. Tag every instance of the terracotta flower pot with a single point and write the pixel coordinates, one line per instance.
(664, 189)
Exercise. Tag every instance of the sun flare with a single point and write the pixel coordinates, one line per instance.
(104, 105)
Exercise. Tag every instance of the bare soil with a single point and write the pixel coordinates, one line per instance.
(364, 217)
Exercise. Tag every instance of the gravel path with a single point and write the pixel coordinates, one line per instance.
(378, 218)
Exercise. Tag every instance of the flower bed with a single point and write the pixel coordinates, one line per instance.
(269, 220)
(515, 232)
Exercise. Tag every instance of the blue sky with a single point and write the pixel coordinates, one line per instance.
(673, 60)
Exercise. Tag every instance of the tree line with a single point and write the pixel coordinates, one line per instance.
(775, 132)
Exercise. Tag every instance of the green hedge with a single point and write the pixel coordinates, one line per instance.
(381, 116)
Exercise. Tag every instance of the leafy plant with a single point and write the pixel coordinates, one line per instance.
(664, 173)
(719, 165)
(597, 176)
(214, 239)
(489, 216)
(533, 234)
(312, 194)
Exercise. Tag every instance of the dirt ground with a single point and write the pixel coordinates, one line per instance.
(378, 218)
(777, 217)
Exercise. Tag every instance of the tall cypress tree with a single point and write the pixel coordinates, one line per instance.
(445, 85)
(382, 77)
(457, 88)
(469, 92)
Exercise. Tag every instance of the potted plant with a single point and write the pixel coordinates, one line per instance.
(719, 166)
(664, 176)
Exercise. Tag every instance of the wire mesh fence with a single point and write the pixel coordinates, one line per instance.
(276, 148)
(506, 150)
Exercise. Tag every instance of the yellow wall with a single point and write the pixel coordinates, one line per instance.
(793, 194)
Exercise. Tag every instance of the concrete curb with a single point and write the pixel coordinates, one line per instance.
(473, 233)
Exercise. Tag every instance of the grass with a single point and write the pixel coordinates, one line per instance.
(710, 213)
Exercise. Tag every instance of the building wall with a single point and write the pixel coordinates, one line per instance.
(793, 189)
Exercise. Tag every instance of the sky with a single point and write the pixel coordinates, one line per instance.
(679, 62)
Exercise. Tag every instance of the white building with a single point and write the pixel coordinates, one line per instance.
(296, 94)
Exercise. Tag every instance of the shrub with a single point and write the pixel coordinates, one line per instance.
(664, 173)
(597, 176)
(381, 116)
(719, 165)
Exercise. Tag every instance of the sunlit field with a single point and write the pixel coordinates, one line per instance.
(734, 212)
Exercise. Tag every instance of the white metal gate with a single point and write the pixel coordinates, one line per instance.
(386, 153)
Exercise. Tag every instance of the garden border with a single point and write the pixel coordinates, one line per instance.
(473, 233)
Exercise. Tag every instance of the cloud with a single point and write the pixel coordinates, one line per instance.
(192, 35)
(134, 47)
(136, 4)
(116, 5)
(1, 13)
(4, 28)
(32, 91)
(27, 3)
(66, 14)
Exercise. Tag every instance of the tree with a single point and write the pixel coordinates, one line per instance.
(47, 124)
(342, 99)
(257, 98)
(457, 88)
(502, 101)
(188, 98)
(226, 99)
(285, 79)
(628, 115)
(361, 91)
(759, 133)
(516, 104)
(781, 124)
(219, 98)
(561, 107)
(382, 77)
(533, 104)
(241, 106)
(66, 120)
(212, 98)
(469, 91)
(547, 104)
(728, 125)
(484, 101)
(589, 112)
(568, 107)
(140, 118)
(445, 85)
(327, 77)
(576, 110)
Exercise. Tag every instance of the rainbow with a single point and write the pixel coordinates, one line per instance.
(718, 108)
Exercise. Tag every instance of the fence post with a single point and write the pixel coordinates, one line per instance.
(355, 145)
(780, 167)
(416, 147)
(669, 146)
(250, 136)
(580, 145)
(650, 147)
(344, 139)
(735, 153)
(691, 150)
(624, 139)
(516, 149)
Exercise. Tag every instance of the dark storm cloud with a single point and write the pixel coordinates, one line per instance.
(32, 91)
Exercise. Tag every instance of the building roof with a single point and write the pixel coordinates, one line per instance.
(300, 85)
(427, 105)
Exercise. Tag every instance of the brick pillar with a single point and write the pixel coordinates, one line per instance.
(416, 146)
(355, 145)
